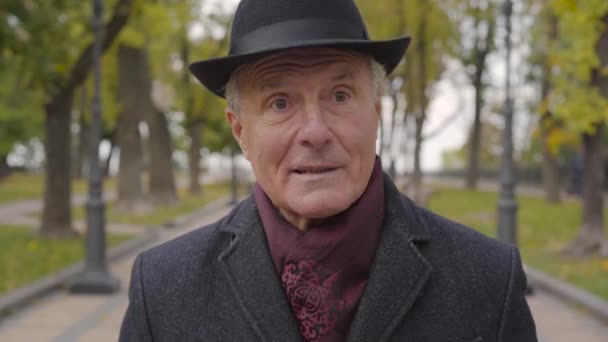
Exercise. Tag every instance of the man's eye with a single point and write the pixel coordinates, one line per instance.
(279, 104)
(341, 96)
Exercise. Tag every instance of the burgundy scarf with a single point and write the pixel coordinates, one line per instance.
(324, 271)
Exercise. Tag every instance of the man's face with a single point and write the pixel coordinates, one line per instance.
(307, 122)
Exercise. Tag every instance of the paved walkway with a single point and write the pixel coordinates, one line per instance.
(489, 185)
(558, 322)
(23, 213)
(62, 317)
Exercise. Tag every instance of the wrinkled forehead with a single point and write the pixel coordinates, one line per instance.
(304, 60)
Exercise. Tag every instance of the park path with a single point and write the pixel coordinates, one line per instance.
(13, 210)
(23, 213)
(533, 190)
(559, 322)
(62, 317)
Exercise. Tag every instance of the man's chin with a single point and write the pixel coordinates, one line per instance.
(319, 210)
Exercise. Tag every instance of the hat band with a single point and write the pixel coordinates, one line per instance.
(290, 32)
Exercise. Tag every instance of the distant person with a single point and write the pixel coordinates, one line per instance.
(326, 249)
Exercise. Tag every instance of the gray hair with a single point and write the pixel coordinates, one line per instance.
(232, 87)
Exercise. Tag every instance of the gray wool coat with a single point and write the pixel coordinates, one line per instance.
(432, 280)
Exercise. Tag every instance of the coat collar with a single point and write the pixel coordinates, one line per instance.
(250, 271)
(398, 274)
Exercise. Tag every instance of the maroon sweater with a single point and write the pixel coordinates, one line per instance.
(324, 270)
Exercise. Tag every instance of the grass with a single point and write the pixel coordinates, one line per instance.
(24, 186)
(161, 214)
(543, 231)
(24, 257)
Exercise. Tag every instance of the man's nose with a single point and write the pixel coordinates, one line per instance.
(314, 131)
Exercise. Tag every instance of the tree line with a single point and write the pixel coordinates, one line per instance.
(564, 44)
(46, 92)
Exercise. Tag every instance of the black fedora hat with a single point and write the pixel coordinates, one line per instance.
(261, 27)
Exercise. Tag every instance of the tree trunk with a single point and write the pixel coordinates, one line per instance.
(194, 160)
(550, 167)
(420, 119)
(475, 139)
(130, 191)
(162, 182)
(193, 125)
(550, 172)
(130, 91)
(76, 170)
(56, 214)
(79, 151)
(593, 218)
(417, 175)
(4, 168)
(483, 45)
(591, 236)
(391, 139)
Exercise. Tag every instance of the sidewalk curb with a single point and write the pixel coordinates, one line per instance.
(26, 294)
(591, 303)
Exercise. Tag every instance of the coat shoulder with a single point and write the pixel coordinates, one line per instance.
(453, 234)
(189, 253)
(198, 243)
(479, 278)
(177, 289)
(467, 259)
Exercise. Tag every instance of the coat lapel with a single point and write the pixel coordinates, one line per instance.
(249, 269)
(398, 274)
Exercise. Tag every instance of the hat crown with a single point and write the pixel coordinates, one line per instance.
(252, 15)
(263, 27)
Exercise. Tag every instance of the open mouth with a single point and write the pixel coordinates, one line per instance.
(313, 171)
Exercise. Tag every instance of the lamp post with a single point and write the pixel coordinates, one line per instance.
(507, 204)
(95, 278)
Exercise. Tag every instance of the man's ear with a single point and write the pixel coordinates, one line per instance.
(237, 129)
(378, 107)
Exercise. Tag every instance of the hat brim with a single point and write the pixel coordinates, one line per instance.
(215, 73)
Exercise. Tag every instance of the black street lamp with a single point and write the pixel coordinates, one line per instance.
(95, 278)
(507, 204)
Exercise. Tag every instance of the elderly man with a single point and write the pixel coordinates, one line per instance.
(326, 249)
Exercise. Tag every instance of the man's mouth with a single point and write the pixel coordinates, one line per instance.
(313, 170)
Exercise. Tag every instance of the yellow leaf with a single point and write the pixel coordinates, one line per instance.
(32, 246)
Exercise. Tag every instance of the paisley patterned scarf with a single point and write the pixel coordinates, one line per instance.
(324, 270)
